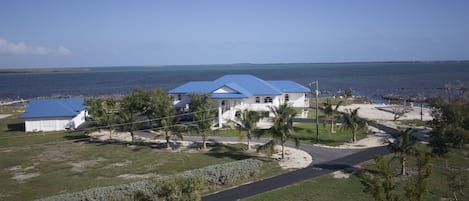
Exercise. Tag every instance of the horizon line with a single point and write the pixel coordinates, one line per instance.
(241, 63)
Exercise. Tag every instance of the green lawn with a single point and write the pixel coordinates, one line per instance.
(307, 134)
(328, 188)
(56, 164)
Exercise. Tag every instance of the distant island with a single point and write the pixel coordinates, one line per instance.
(44, 70)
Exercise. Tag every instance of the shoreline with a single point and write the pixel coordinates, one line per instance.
(42, 70)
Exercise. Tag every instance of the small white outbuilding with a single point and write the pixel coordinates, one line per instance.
(54, 114)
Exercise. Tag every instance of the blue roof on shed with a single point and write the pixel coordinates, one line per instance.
(244, 85)
(48, 108)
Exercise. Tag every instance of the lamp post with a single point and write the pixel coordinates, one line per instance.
(317, 106)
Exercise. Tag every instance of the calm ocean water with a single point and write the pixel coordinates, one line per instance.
(366, 79)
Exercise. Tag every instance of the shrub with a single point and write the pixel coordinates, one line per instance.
(184, 185)
(229, 172)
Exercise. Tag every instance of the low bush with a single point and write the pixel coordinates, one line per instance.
(185, 184)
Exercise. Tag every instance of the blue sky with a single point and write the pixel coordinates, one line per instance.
(121, 33)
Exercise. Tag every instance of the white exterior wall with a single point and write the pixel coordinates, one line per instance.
(185, 99)
(51, 124)
(79, 119)
(230, 107)
(297, 99)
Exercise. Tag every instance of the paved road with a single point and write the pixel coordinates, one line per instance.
(295, 176)
(325, 160)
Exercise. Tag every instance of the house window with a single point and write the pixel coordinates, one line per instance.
(258, 100)
(268, 99)
(179, 97)
(287, 98)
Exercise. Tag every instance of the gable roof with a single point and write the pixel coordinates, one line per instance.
(48, 108)
(288, 86)
(242, 85)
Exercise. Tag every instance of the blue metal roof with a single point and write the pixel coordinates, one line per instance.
(288, 86)
(48, 108)
(255, 85)
(194, 87)
(228, 96)
(244, 86)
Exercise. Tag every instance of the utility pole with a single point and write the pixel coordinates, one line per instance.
(317, 112)
(317, 106)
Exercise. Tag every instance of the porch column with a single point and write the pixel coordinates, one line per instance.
(220, 114)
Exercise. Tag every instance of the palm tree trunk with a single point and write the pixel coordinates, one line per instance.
(283, 150)
(403, 164)
(332, 125)
(132, 135)
(204, 145)
(168, 145)
(110, 132)
(354, 138)
(249, 139)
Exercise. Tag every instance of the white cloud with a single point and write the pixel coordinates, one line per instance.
(21, 48)
(63, 51)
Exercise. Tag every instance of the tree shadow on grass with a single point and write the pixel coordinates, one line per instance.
(136, 145)
(219, 150)
(16, 127)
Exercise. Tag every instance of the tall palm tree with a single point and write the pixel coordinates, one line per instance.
(331, 112)
(129, 110)
(203, 112)
(282, 126)
(353, 122)
(403, 147)
(247, 122)
(162, 109)
(126, 119)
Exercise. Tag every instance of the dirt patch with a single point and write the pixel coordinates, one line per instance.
(341, 175)
(16, 168)
(294, 158)
(137, 176)
(82, 165)
(4, 116)
(21, 176)
(120, 164)
(54, 154)
(346, 173)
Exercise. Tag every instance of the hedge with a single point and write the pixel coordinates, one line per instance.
(214, 175)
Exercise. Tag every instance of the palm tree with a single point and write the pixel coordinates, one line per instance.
(403, 147)
(282, 126)
(203, 112)
(347, 95)
(353, 122)
(247, 122)
(130, 107)
(331, 112)
(162, 109)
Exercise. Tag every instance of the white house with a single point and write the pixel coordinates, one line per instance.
(232, 93)
(54, 114)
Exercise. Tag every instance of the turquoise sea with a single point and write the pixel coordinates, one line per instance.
(365, 79)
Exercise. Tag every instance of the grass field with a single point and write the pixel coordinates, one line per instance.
(306, 132)
(449, 175)
(43, 164)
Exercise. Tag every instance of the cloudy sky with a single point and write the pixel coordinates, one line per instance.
(120, 33)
